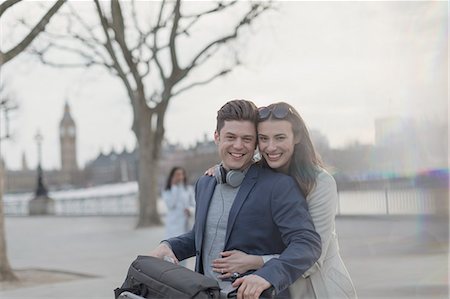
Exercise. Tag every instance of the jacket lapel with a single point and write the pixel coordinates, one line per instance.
(244, 190)
(205, 197)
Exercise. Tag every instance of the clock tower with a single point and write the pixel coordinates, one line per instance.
(68, 142)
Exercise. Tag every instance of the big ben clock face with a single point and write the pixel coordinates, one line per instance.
(62, 131)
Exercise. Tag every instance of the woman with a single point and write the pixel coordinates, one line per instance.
(179, 199)
(285, 146)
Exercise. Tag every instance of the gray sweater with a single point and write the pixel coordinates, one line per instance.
(216, 228)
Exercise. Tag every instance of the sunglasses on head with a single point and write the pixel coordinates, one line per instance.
(279, 112)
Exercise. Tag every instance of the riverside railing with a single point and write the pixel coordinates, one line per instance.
(410, 201)
(105, 205)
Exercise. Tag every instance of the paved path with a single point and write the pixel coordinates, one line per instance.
(386, 257)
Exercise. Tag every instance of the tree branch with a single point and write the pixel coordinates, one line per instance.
(251, 15)
(220, 6)
(5, 57)
(87, 28)
(134, 17)
(7, 4)
(89, 58)
(204, 82)
(155, 42)
(109, 47)
(118, 26)
(196, 17)
(173, 34)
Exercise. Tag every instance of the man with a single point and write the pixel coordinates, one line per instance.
(248, 208)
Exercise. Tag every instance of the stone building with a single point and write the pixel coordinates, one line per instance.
(122, 166)
(112, 168)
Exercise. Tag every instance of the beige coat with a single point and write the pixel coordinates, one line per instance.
(328, 277)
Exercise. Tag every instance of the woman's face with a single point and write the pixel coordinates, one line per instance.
(178, 177)
(276, 143)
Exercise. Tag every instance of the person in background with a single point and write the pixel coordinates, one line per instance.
(179, 199)
(285, 146)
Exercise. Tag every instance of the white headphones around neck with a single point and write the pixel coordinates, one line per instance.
(233, 178)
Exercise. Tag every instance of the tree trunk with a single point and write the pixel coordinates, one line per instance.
(6, 272)
(148, 170)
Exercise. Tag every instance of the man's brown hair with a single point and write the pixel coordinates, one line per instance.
(237, 110)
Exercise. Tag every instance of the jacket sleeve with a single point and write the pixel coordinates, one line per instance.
(303, 247)
(183, 246)
(190, 203)
(322, 204)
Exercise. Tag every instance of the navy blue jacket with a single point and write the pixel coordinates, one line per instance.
(269, 216)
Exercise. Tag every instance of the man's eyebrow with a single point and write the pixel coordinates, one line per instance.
(229, 133)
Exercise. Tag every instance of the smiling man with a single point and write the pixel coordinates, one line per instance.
(248, 208)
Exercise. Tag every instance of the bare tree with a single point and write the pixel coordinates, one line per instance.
(6, 272)
(150, 66)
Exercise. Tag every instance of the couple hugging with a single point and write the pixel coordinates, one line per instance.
(274, 219)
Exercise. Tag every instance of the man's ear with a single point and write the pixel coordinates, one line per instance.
(216, 137)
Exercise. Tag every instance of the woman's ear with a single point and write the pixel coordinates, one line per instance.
(297, 139)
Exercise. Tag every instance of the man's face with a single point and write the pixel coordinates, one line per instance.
(236, 142)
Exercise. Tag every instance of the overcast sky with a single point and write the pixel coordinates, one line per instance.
(341, 64)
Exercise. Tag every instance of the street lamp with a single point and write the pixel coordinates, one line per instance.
(41, 204)
(41, 190)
